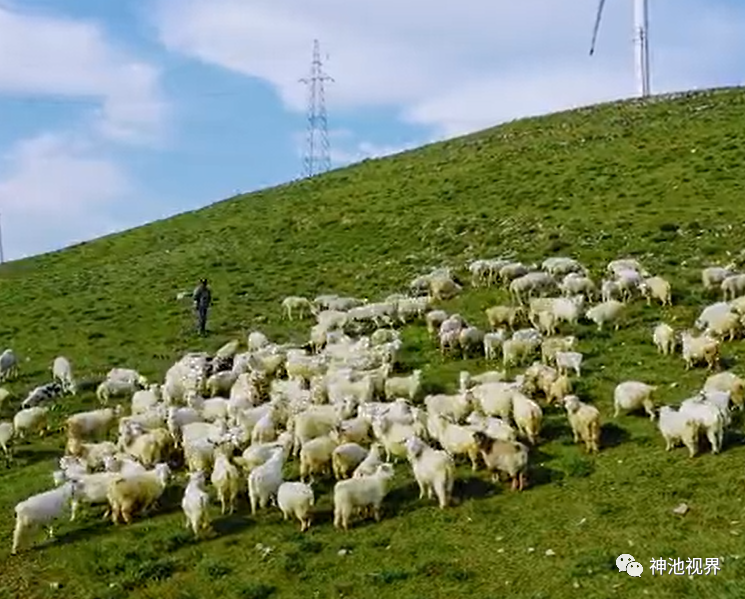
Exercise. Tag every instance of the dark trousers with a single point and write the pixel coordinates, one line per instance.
(201, 320)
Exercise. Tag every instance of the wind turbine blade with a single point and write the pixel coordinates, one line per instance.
(597, 26)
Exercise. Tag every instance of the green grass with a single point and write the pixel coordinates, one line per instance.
(661, 180)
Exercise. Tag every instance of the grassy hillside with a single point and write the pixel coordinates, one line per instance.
(661, 180)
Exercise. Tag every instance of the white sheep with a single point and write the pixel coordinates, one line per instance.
(729, 382)
(346, 458)
(434, 320)
(664, 338)
(632, 395)
(724, 326)
(709, 418)
(500, 315)
(455, 439)
(41, 509)
(145, 399)
(226, 479)
(608, 312)
(296, 499)
(404, 386)
(371, 462)
(496, 428)
(434, 470)
(127, 493)
(528, 416)
(365, 493)
(657, 288)
(566, 360)
(698, 349)
(62, 373)
(30, 420)
(493, 343)
(7, 432)
(678, 427)
(714, 276)
(470, 340)
(221, 382)
(195, 504)
(733, 286)
(264, 481)
(8, 365)
(298, 306)
(585, 422)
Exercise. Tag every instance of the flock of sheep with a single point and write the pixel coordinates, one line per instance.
(235, 420)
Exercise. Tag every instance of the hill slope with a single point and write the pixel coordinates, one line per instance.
(662, 180)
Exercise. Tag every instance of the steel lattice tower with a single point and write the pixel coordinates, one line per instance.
(317, 158)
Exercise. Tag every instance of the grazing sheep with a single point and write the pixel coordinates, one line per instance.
(30, 420)
(678, 427)
(499, 315)
(709, 417)
(42, 394)
(585, 422)
(361, 493)
(664, 338)
(657, 288)
(608, 312)
(434, 320)
(569, 360)
(62, 374)
(508, 457)
(297, 306)
(698, 349)
(296, 499)
(633, 395)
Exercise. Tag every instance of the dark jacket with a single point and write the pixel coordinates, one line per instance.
(202, 297)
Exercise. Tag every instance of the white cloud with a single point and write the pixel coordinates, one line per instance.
(453, 67)
(55, 190)
(61, 187)
(54, 56)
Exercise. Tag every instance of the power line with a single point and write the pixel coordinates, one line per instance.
(317, 158)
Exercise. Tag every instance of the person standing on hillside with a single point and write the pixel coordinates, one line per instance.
(202, 297)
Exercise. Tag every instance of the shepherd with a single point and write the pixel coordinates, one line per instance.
(202, 297)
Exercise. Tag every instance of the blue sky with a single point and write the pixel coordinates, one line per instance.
(116, 113)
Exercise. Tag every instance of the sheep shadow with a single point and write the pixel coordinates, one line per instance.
(612, 435)
(231, 524)
(467, 488)
(27, 455)
(555, 429)
(96, 525)
(539, 474)
(727, 362)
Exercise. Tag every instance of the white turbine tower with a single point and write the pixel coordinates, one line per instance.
(641, 43)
